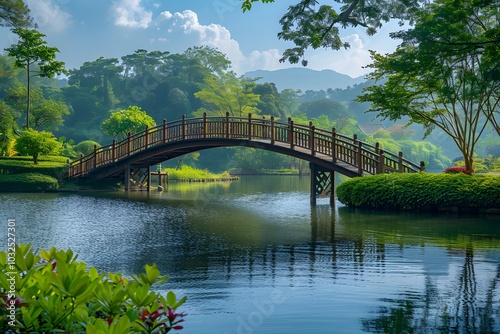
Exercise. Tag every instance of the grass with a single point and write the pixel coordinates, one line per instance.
(189, 173)
(20, 174)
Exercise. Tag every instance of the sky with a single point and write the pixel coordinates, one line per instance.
(84, 30)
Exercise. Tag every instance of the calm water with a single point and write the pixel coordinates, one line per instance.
(254, 257)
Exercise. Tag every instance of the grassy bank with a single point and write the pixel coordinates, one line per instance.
(422, 192)
(187, 173)
(20, 174)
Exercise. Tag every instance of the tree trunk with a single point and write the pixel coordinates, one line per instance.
(28, 103)
(35, 158)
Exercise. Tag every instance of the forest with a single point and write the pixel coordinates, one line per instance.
(163, 85)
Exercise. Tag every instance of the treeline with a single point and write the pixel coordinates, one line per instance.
(168, 85)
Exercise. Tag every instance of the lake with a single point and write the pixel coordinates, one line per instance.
(253, 256)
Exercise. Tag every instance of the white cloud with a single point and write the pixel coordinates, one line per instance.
(185, 27)
(130, 13)
(350, 61)
(49, 17)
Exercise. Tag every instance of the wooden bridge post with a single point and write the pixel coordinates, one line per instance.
(128, 144)
(273, 133)
(164, 131)
(322, 183)
(146, 140)
(249, 126)
(400, 162)
(334, 145)
(114, 150)
(380, 168)
(183, 130)
(291, 133)
(204, 126)
(360, 158)
(95, 156)
(227, 124)
(422, 166)
(311, 138)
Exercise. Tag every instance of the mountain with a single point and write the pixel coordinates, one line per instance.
(305, 79)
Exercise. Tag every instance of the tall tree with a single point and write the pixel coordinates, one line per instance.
(212, 59)
(228, 93)
(444, 74)
(14, 13)
(35, 57)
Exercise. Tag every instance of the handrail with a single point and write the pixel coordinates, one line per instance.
(367, 158)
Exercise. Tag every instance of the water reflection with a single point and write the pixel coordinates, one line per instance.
(256, 258)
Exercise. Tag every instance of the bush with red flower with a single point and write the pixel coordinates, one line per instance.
(457, 169)
(52, 292)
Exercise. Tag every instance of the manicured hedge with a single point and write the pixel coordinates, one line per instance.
(421, 191)
(27, 182)
(52, 166)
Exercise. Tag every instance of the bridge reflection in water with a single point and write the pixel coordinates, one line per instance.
(326, 150)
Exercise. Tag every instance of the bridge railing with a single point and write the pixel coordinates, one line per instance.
(367, 158)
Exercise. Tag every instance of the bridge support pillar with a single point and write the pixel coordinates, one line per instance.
(137, 178)
(322, 183)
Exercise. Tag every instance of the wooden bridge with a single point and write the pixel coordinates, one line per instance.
(327, 151)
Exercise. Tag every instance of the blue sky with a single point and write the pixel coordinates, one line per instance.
(85, 30)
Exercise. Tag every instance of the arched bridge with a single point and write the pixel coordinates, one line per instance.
(327, 151)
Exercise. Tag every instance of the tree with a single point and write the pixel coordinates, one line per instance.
(123, 122)
(444, 74)
(212, 59)
(14, 13)
(228, 93)
(289, 98)
(34, 143)
(38, 59)
(311, 25)
(7, 127)
(46, 113)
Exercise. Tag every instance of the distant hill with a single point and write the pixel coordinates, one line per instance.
(305, 79)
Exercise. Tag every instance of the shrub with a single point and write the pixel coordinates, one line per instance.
(53, 166)
(27, 182)
(34, 143)
(86, 147)
(420, 191)
(457, 169)
(53, 293)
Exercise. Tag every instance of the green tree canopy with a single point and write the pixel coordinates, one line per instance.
(46, 113)
(445, 73)
(14, 13)
(131, 120)
(34, 143)
(228, 93)
(31, 50)
(311, 24)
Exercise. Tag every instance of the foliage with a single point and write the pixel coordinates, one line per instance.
(331, 108)
(228, 93)
(46, 113)
(34, 143)
(123, 122)
(7, 127)
(86, 147)
(310, 25)
(425, 151)
(55, 293)
(31, 50)
(420, 191)
(27, 182)
(53, 166)
(190, 173)
(444, 74)
(14, 13)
